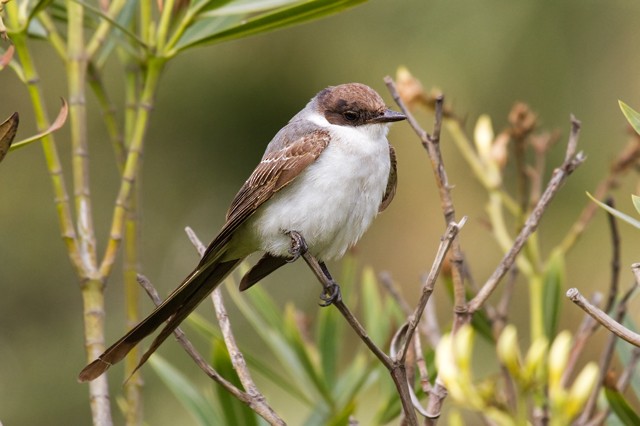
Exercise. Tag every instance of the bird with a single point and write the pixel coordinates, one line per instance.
(322, 179)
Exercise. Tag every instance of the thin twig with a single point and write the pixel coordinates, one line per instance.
(615, 257)
(258, 405)
(587, 327)
(429, 284)
(618, 329)
(237, 359)
(431, 142)
(558, 178)
(606, 357)
(387, 282)
(397, 370)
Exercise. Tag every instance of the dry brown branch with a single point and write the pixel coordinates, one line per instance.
(618, 329)
(560, 174)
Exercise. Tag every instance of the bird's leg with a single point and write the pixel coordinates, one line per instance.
(331, 292)
(298, 246)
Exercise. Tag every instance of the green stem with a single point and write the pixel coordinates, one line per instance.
(133, 386)
(52, 159)
(135, 148)
(108, 114)
(76, 80)
(53, 36)
(101, 33)
(93, 315)
(165, 23)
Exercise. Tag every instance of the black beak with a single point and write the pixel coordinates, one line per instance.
(389, 116)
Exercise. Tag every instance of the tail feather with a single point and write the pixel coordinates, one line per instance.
(180, 303)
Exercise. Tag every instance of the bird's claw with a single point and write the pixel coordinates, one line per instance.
(298, 246)
(330, 295)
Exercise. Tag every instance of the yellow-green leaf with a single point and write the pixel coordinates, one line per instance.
(616, 213)
(633, 117)
(636, 202)
(621, 407)
(186, 392)
(554, 283)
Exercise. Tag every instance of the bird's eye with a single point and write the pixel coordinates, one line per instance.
(350, 115)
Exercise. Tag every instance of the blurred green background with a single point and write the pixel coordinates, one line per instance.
(219, 106)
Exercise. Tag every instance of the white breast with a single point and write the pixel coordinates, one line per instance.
(333, 202)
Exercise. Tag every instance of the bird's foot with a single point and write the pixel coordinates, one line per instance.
(331, 294)
(298, 246)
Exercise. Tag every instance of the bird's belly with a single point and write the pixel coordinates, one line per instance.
(331, 204)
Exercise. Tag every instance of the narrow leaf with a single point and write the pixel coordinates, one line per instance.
(234, 411)
(248, 7)
(329, 332)
(625, 352)
(57, 124)
(8, 131)
(191, 398)
(633, 117)
(554, 283)
(375, 322)
(636, 202)
(617, 213)
(270, 20)
(621, 407)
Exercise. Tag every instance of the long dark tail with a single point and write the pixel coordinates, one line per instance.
(180, 303)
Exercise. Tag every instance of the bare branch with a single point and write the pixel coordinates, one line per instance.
(558, 178)
(618, 329)
(256, 404)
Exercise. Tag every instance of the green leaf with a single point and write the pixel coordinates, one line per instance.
(235, 26)
(329, 332)
(234, 411)
(616, 213)
(306, 354)
(375, 322)
(254, 361)
(275, 340)
(8, 130)
(191, 398)
(361, 370)
(621, 407)
(554, 283)
(636, 202)
(633, 117)
(625, 352)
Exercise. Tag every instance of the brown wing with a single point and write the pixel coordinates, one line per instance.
(274, 172)
(392, 183)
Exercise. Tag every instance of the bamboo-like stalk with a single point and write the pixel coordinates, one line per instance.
(93, 315)
(101, 33)
(133, 386)
(52, 159)
(108, 115)
(135, 147)
(76, 80)
(53, 37)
